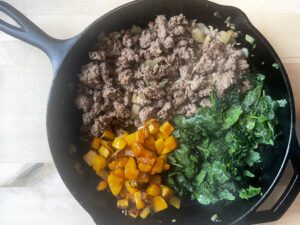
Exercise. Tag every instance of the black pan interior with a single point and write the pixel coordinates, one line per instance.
(63, 119)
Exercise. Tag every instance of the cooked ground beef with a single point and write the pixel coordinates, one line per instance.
(160, 71)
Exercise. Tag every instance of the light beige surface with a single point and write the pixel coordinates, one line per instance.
(31, 191)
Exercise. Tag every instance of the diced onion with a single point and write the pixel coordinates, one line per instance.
(198, 35)
(203, 28)
(249, 39)
(245, 52)
(225, 36)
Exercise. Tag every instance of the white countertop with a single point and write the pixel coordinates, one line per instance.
(31, 191)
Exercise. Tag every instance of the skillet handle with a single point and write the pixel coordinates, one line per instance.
(289, 195)
(55, 49)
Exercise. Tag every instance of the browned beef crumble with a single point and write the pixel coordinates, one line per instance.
(159, 71)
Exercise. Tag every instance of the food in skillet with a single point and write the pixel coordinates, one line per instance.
(166, 69)
(131, 166)
(198, 79)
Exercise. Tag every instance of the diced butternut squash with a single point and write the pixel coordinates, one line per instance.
(102, 186)
(131, 138)
(148, 154)
(145, 212)
(138, 200)
(96, 142)
(112, 165)
(88, 157)
(153, 127)
(145, 132)
(166, 151)
(175, 202)
(144, 167)
(158, 166)
(123, 203)
(103, 174)
(159, 204)
(170, 143)
(131, 163)
(121, 162)
(149, 143)
(159, 145)
(115, 184)
(166, 192)
(160, 135)
(119, 143)
(140, 136)
(166, 128)
(131, 171)
(134, 214)
(155, 179)
(134, 165)
(98, 163)
(137, 148)
(104, 151)
(106, 144)
(119, 172)
(108, 134)
(153, 190)
(129, 188)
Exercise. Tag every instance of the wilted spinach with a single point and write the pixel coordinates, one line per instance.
(219, 145)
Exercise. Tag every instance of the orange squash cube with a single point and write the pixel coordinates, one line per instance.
(96, 142)
(166, 128)
(159, 145)
(145, 212)
(108, 134)
(131, 138)
(175, 202)
(145, 132)
(138, 200)
(115, 184)
(149, 143)
(170, 143)
(88, 157)
(103, 151)
(153, 127)
(119, 172)
(137, 148)
(140, 136)
(120, 163)
(148, 154)
(166, 192)
(129, 188)
(144, 167)
(153, 190)
(112, 165)
(119, 143)
(102, 186)
(159, 204)
(131, 171)
(98, 163)
(123, 203)
(133, 213)
(158, 166)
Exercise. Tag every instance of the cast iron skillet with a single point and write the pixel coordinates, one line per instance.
(63, 119)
